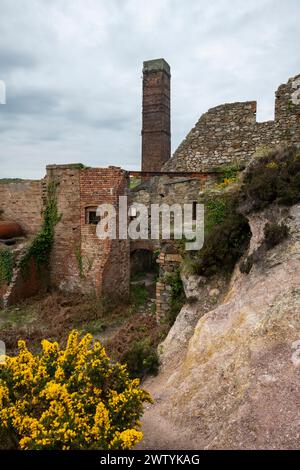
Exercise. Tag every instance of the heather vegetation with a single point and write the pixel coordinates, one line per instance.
(272, 178)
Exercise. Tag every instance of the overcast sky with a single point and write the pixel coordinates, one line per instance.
(73, 70)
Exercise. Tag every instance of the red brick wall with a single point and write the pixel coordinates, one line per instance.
(106, 262)
(64, 266)
(21, 201)
(27, 284)
(156, 136)
(80, 260)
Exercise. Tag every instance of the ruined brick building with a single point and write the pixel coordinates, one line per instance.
(80, 261)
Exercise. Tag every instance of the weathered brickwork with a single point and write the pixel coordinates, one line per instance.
(106, 263)
(24, 286)
(21, 201)
(80, 260)
(64, 272)
(229, 133)
(156, 136)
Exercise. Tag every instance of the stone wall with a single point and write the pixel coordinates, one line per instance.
(21, 201)
(229, 133)
(164, 189)
(168, 264)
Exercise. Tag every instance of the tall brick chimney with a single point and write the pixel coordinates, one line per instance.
(156, 132)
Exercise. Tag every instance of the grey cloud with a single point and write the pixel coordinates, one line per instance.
(74, 71)
(11, 59)
(31, 102)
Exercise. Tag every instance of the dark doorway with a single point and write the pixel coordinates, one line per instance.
(142, 261)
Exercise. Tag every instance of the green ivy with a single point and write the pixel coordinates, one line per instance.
(79, 260)
(215, 213)
(6, 265)
(40, 247)
(177, 299)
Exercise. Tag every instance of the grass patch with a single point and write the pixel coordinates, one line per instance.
(134, 182)
(138, 295)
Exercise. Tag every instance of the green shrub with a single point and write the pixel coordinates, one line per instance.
(275, 177)
(79, 261)
(275, 234)
(141, 359)
(138, 295)
(228, 174)
(40, 247)
(226, 237)
(134, 182)
(6, 265)
(177, 295)
(272, 178)
(215, 213)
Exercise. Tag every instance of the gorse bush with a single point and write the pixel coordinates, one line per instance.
(75, 398)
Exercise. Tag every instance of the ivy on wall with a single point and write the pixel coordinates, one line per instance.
(40, 248)
(177, 299)
(6, 266)
(79, 260)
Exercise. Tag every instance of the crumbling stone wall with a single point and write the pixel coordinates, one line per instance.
(80, 261)
(168, 264)
(64, 272)
(106, 263)
(229, 133)
(21, 201)
(24, 285)
(168, 190)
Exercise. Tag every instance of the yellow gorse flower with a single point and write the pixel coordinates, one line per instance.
(75, 398)
(272, 165)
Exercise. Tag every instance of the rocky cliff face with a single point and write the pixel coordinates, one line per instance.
(232, 381)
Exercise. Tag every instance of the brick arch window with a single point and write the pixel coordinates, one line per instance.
(91, 216)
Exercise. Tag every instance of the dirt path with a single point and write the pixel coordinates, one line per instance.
(159, 432)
